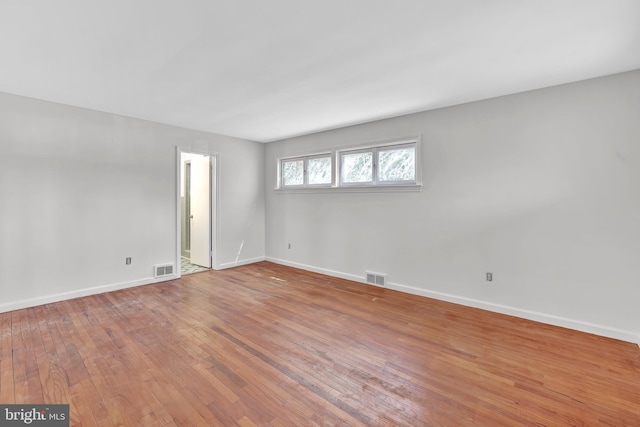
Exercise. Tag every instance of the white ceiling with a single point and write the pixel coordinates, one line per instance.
(268, 70)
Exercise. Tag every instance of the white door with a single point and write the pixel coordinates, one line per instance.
(201, 211)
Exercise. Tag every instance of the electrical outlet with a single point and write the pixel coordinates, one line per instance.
(489, 277)
(127, 260)
(289, 246)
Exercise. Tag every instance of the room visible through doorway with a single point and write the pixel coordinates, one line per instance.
(196, 212)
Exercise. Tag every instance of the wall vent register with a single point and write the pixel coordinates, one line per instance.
(376, 279)
(163, 270)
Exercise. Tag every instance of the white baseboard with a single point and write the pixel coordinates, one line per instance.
(239, 263)
(550, 319)
(32, 302)
(316, 269)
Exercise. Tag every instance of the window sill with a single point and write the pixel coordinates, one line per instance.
(414, 188)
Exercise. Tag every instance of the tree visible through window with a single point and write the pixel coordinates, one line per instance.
(319, 170)
(393, 164)
(357, 167)
(397, 164)
(382, 165)
(306, 171)
(293, 172)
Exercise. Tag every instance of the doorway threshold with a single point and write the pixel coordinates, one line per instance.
(187, 268)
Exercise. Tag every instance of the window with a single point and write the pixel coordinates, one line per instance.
(397, 164)
(319, 170)
(293, 172)
(390, 164)
(310, 171)
(384, 165)
(356, 167)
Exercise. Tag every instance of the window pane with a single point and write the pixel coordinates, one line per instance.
(319, 170)
(293, 172)
(357, 167)
(397, 165)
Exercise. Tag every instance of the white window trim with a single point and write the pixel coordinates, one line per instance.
(368, 187)
(293, 159)
(353, 189)
(375, 167)
(305, 177)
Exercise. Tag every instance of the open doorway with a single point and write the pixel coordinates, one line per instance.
(196, 211)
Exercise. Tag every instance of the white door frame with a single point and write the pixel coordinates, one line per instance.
(215, 174)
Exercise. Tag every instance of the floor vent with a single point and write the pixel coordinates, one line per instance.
(163, 270)
(376, 278)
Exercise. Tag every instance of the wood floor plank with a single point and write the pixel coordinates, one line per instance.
(7, 389)
(25, 374)
(269, 345)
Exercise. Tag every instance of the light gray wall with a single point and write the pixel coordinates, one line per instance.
(81, 190)
(541, 188)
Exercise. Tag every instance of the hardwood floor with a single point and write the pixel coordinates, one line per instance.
(268, 345)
